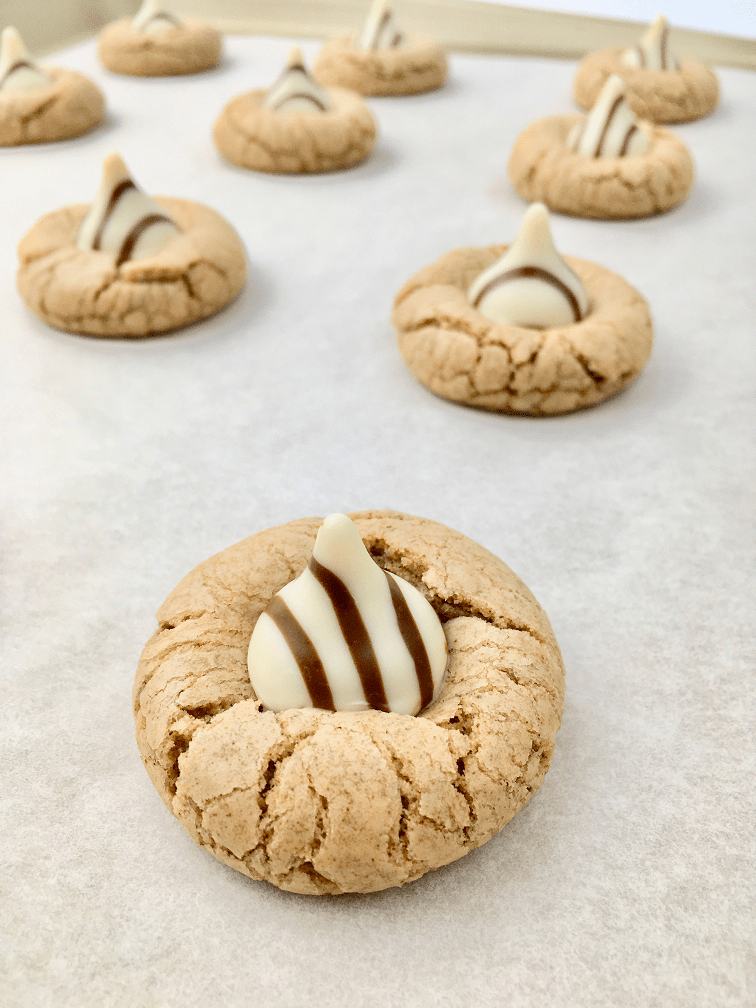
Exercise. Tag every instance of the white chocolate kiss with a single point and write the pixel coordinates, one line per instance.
(295, 90)
(381, 30)
(652, 52)
(347, 631)
(610, 129)
(531, 285)
(153, 17)
(18, 71)
(123, 220)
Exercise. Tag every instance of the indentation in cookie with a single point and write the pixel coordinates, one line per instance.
(381, 30)
(531, 285)
(346, 635)
(124, 220)
(18, 71)
(652, 52)
(296, 90)
(610, 130)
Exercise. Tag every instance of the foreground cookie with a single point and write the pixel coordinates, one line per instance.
(157, 43)
(659, 87)
(521, 330)
(382, 60)
(604, 165)
(318, 801)
(296, 126)
(41, 104)
(129, 265)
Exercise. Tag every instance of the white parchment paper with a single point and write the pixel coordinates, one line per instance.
(628, 880)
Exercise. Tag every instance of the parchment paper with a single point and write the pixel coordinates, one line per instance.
(628, 880)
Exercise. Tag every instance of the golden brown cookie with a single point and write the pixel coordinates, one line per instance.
(417, 65)
(80, 291)
(461, 355)
(661, 96)
(542, 167)
(189, 48)
(322, 802)
(251, 136)
(71, 105)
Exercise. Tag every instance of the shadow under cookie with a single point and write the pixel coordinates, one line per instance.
(660, 96)
(72, 105)
(416, 66)
(189, 48)
(251, 136)
(321, 802)
(462, 355)
(75, 290)
(543, 168)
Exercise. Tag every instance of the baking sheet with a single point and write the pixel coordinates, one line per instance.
(628, 880)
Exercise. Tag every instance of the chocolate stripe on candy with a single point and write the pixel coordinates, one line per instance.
(16, 66)
(127, 247)
(626, 142)
(535, 272)
(355, 634)
(413, 641)
(608, 122)
(305, 655)
(115, 196)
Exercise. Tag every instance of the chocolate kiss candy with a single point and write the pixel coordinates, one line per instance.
(295, 90)
(610, 129)
(152, 17)
(381, 31)
(531, 285)
(123, 220)
(346, 635)
(652, 53)
(18, 71)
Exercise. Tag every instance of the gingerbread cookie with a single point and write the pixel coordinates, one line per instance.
(156, 43)
(296, 126)
(41, 104)
(321, 801)
(658, 86)
(129, 265)
(382, 60)
(605, 165)
(520, 329)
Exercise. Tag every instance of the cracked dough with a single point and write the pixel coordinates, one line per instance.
(188, 49)
(541, 167)
(322, 802)
(662, 96)
(420, 65)
(71, 289)
(254, 137)
(71, 105)
(461, 355)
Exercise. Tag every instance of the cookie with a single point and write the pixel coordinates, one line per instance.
(593, 334)
(658, 86)
(607, 165)
(129, 265)
(296, 126)
(382, 60)
(42, 104)
(419, 65)
(326, 802)
(156, 43)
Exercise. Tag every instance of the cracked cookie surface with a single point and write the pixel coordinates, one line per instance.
(72, 105)
(461, 355)
(661, 96)
(189, 48)
(251, 136)
(417, 66)
(542, 167)
(322, 802)
(78, 291)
